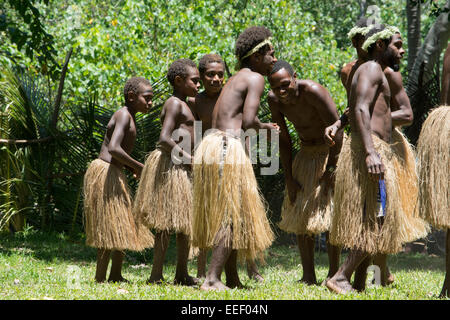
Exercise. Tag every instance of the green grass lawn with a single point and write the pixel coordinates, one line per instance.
(35, 265)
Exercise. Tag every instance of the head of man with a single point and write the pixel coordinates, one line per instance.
(183, 75)
(385, 44)
(212, 72)
(138, 94)
(255, 50)
(282, 80)
(357, 36)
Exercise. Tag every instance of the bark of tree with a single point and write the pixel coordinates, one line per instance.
(435, 42)
(413, 18)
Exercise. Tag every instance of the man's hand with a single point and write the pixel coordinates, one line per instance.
(330, 133)
(375, 166)
(293, 187)
(137, 172)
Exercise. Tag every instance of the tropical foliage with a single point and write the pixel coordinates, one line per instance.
(46, 144)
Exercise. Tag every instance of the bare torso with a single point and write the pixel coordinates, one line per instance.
(128, 140)
(228, 111)
(203, 108)
(378, 106)
(304, 114)
(181, 117)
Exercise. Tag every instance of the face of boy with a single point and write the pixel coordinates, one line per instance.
(191, 83)
(213, 77)
(282, 84)
(143, 98)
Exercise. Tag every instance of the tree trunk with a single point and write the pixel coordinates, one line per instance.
(413, 18)
(423, 82)
(435, 42)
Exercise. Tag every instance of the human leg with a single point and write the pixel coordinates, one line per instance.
(219, 257)
(181, 273)
(340, 282)
(103, 256)
(446, 287)
(306, 247)
(334, 254)
(116, 266)
(159, 253)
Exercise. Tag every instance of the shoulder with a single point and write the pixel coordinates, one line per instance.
(370, 70)
(252, 77)
(310, 86)
(191, 101)
(123, 114)
(392, 75)
(347, 68)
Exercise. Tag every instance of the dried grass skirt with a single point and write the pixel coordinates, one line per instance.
(355, 224)
(228, 205)
(109, 222)
(433, 150)
(312, 210)
(164, 197)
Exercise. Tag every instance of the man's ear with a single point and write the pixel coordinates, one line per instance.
(295, 75)
(131, 95)
(380, 44)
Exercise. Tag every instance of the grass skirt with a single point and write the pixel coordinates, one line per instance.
(227, 202)
(408, 185)
(355, 224)
(164, 197)
(109, 222)
(311, 212)
(433, 149)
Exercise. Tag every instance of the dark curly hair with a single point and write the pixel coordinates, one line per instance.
(249, 39)
(281, 64)
(209, 58)
(133, 84)
(376, 29)
(179, 68)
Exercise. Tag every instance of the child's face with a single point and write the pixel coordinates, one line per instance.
(191, 83)
(213, 77)
(143, 98)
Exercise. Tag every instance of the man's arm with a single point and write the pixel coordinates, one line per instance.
(172, 109)
(320, 98)
(255, 89)
(115, 144)
(285, 148)
(365, 94)
(402, 114)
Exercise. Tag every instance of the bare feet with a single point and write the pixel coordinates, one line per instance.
(158, 280)
(234, 284)
(390, 279)
(118, 279)
(213, 286)
(186, 281)
(256, 276)
(340, 285)
(308, 281)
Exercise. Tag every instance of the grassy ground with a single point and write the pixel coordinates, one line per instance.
(34, 265)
